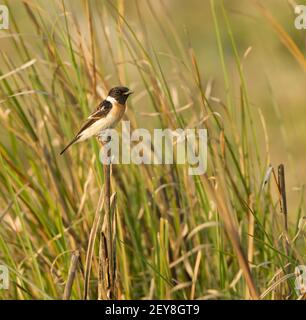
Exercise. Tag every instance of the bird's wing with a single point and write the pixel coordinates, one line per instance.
(101, 112)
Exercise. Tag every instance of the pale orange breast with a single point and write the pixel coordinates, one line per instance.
(116, 113)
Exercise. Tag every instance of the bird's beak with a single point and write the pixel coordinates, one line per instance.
(128, 92)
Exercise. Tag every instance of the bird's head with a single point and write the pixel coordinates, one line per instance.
(120, 94)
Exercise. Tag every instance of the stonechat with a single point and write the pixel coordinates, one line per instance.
(107, 115)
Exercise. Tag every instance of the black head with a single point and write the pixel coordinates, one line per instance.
(120, 94)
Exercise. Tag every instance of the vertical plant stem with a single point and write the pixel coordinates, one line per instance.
(106, 285)
(282, 186)
(91, 243)
(251, 227)
(71, 275)
(92, 46)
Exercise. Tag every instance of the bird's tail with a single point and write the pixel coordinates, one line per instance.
(71, 143)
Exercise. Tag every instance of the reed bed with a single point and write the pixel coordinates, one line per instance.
(222, 235)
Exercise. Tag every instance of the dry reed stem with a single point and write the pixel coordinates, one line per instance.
(107, 262)
(92, 48)
(71, 274)
(282, 187)
(107, 274)
(91, 242)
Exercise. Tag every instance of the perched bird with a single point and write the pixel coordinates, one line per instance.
(109, 112)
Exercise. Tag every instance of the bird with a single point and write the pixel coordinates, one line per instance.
(106, 116)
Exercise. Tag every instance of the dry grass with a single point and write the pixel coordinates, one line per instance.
(217, 236)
